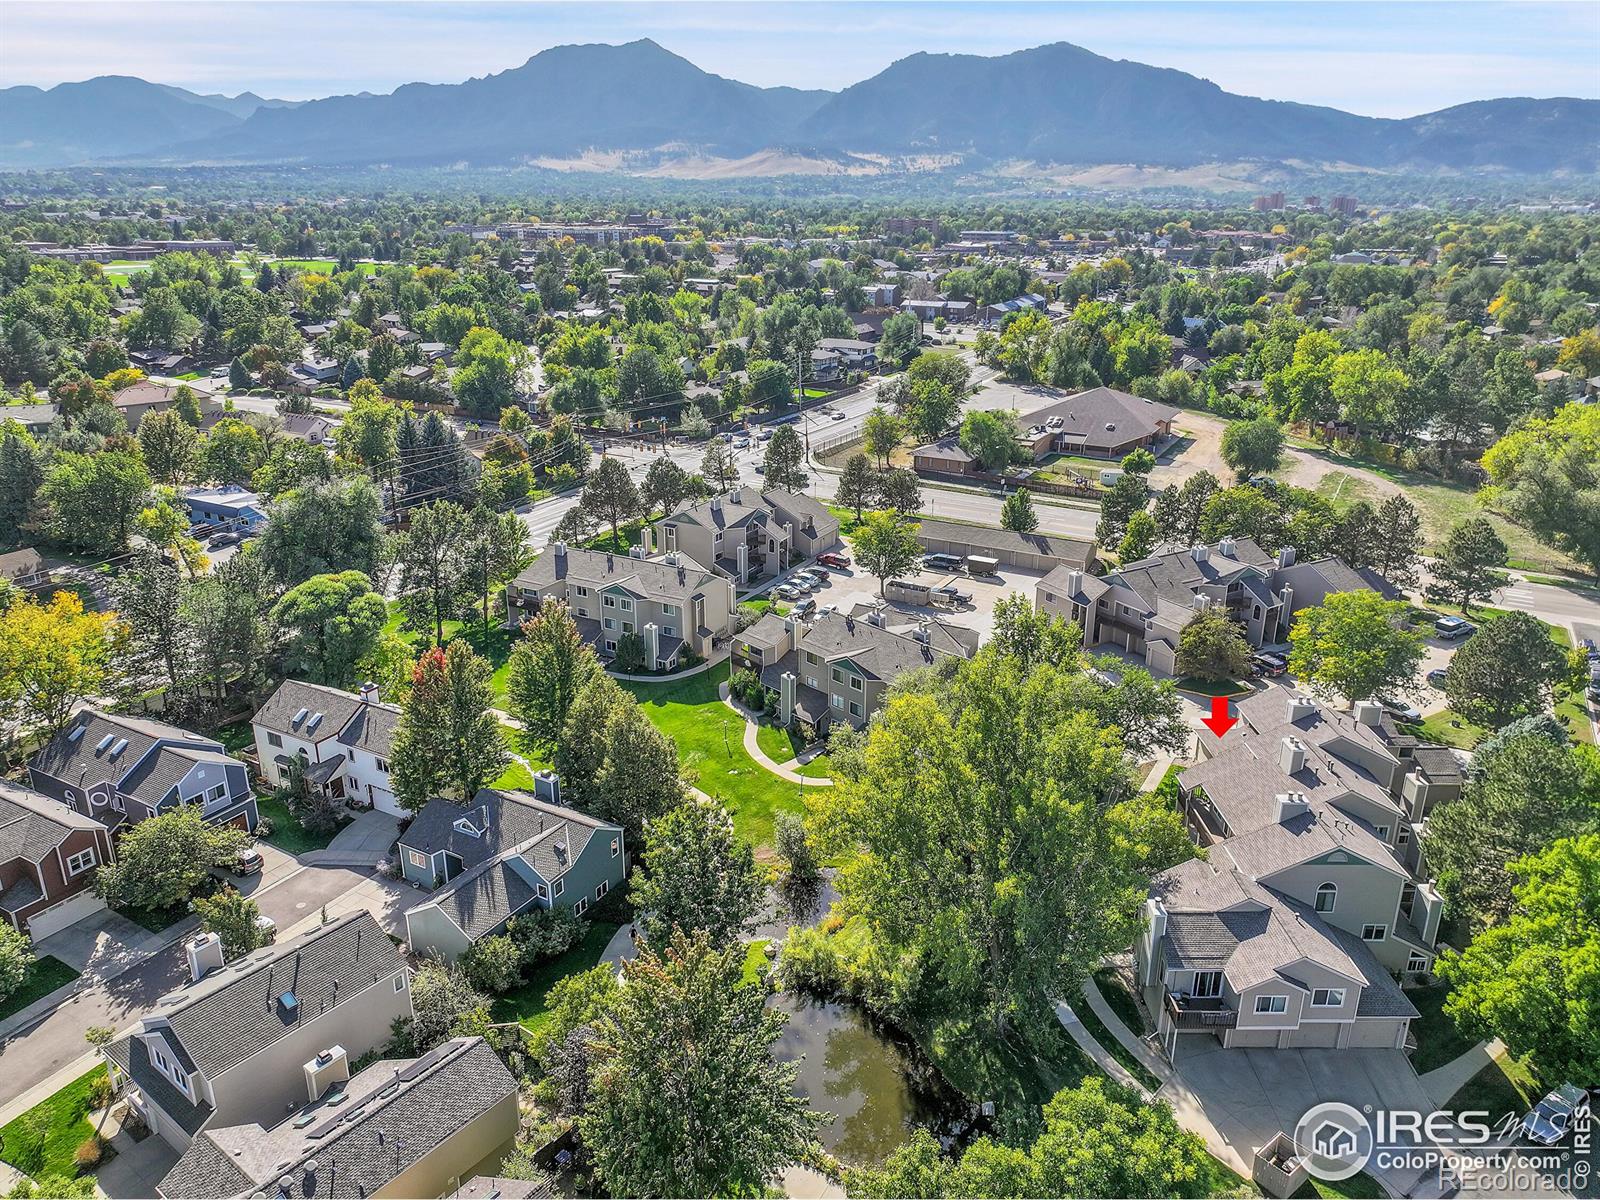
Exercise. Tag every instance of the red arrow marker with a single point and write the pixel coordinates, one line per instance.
(1219, 722)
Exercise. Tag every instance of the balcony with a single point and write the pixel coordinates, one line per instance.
(1193, 1012)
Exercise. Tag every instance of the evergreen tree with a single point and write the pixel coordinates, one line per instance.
(21, 473)
(1468, 568)
(858, 484)
(238, 375)
(610, 496)
(353, 370)
(785, 461)
(1017, 514)
(446, 742)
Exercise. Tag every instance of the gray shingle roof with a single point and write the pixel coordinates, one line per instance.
(372, 729)
(1176, 575)
(131, 1055)
(234, 1014)
(507, 818)
(397, 1113)
(1085, 414)
(654, 578)
(32, 824)
(79, 762)
(292, 695)
(1075, 551)
(479, 902)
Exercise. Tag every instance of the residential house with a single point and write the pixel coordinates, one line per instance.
(824, 367)
(993, 314)
(749, 533)
(48, 855)
(1099, 423)
(1031, 551)
(35, 418)
(340, 741)
(401, 1127)
(1143, 606)
(853, 354)
(1308, 904)
(147, 396)
(506, 853)
(308, 427)
(242, 1041)
(230, 506)
(25, 569)
(839, 666)
(122, 770)
(930, 310)
(161, 362)
(673, 603)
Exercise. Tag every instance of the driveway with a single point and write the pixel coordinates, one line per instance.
(1249, 1095)
(364, 842)
(137, 1168)
(101, 945)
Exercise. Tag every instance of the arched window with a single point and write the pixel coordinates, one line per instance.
(1327, 897)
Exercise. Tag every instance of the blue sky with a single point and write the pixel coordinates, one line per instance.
(1378, 58)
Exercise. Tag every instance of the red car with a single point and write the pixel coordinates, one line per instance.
(833, 560)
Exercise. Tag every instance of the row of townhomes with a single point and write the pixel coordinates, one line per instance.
(246, 1071)
(1292, 929)
(1142, 607)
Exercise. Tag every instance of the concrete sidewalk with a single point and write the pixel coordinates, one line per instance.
(1441, 1083)
(752, 747)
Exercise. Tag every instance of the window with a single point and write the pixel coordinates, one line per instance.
(1327, 998)
(1374, 933)
(855, 709)
(811, 681)
(419, 860)
(274, 740)
(80, 862)
(1258, 612)
(616, 847)
(611, 645)
(670, 610)
(558, 887)
(1272, 1004)
(610, 623)
(213, 794)
(838, 700)
(627, 605)
(399, 981)
(583, 591)
(1383, 833)
(601, 890)
(1402, 836)
(855, 682)
(670, 630)
(382, 765)
(627, 627)
(1207, 984)
(581, 907)
(608, 601)
(1417, 962)
(838, 675)
(1327, 897)
(542, 892)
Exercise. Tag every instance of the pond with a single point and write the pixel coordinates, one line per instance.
(871, 1084)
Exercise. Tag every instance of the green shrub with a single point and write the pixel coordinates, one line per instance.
(493, 964)
(545, 934)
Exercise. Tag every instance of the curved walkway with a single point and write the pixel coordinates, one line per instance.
(752, 747)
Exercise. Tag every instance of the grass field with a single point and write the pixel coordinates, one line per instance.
(710, 740)
(782, 746)
(42, 1140)
(1438, 1039)
(1108, 1042)
(1504, 1086)
(45, 976)
(526, 1004)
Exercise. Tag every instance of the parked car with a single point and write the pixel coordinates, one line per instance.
(805, 608)
(1436, 677)
(741, 443)
(1452, 628)
(941, 562)
(786, 591)
(1593, 691)
(1270, 665)
(1399, 708)
(247, 862)
(951, 596)
(1551, 1118)
(765, 435)
(826, 609)
(727, 437)
(761, 468)
(224, 539)
(834, 560)
(838, 416)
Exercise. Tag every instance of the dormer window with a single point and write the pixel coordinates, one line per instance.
(465, 825)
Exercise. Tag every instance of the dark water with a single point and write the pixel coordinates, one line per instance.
(871, 1083)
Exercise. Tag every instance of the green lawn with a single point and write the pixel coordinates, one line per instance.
(60, 1122)
(709, 736)
(1359, 1186)
(782, 746)
(1504, 1086)
(45, 976)
(518, 775)
(1108, 1041)
(1115, 989)
(755, 959)
(1438, 1039)
(526, 1004)
(1210, 687)
(287, 833)
(1090, 468)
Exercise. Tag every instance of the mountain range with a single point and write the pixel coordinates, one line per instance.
(642, 109)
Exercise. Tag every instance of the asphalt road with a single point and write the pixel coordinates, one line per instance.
(31, 1055)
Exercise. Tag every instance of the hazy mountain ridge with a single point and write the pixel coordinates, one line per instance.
(1055, 104)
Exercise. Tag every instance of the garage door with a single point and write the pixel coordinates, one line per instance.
(1381, 1034)
(56, 918)
(1253, 1037)
(1321, 1033)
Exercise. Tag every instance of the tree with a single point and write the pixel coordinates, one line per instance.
(186, 403)
(16, 959)
(239, 376)
(91, 500)
(998, 777)
(880, 434)
(686, 1098)
(1128, 495)
(580, 753)
(1530, 980)
(934, 406)
(231, 452)
(1508, 669)
(1139, 537)
(1468, 568)
(492, 548)
(1253, 447)
(446, 742)
(163, 859)
(858, 484)
(493, 964)
(785, 461)
(717, 466)
(1149, 714)
(1030, 636)
(1355, 644)
(549, 667)
(666, 485)
(1017, 514)
(1546, 475)
(991, 439)
(1212, 647)
(899, 490)
(1526, 787)
(428, 554)
(698, 877)
(1180, 511)
(53, 657)
(886, 546)
(900, 339)
(444, 1004)
(1098, 1140)
(638, 779)
(21, 473)
(1138, 461)
(610, 496)
(149, 598)
(486, 375)
(235, 919)
(323, 527)
(169, 445)
(291, 464)
(1396, 545)
(367, 433)
(1367, 388)
(329, 623)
